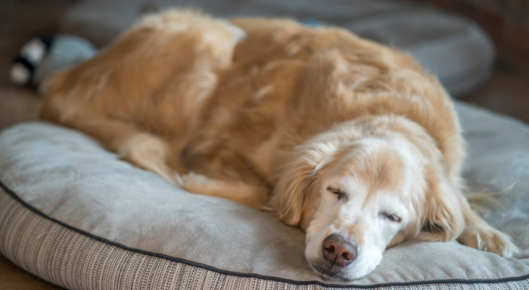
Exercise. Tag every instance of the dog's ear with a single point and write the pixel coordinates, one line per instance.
(294, 192)
(291, 191)
(442, 218)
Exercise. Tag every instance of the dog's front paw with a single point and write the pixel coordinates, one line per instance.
(192, 181)
(488, 239)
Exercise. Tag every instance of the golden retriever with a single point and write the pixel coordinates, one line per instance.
(348, 139)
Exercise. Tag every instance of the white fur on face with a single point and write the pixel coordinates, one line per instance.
(361, 216)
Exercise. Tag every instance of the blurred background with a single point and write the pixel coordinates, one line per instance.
(479, 49)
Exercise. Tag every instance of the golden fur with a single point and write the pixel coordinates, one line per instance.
(262, 111)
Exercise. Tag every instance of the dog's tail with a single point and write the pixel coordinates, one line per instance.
(482, 201)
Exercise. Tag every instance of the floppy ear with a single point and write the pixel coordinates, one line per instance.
(294, 191)
(291, 191)
(442, 217)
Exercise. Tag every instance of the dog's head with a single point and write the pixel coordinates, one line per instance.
(356, 193)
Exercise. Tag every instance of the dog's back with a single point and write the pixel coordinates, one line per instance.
(289, 82)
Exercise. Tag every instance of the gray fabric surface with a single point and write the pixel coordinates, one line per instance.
(454, 49)
(69, 177)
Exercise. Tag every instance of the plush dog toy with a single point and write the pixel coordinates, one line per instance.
(42, 56)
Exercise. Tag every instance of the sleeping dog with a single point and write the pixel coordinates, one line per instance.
(349, 140)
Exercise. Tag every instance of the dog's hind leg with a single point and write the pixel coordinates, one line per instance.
(140, 148)
(150, 153)
(480, 235)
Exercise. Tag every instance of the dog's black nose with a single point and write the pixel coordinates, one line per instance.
(338, 250)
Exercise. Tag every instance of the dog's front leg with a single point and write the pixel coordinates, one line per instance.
(480, 235)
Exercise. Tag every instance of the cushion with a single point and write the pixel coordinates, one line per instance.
(454, 49)
(79, 217)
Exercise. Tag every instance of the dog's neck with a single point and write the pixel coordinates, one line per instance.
(340, 135)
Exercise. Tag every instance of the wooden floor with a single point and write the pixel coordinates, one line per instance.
(19, 22)
(507, 92)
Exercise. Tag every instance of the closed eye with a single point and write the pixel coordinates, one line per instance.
(339, 193)
(390, 216)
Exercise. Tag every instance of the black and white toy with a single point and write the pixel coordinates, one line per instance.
(42, 56)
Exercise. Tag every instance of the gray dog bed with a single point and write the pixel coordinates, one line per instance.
(77, 216)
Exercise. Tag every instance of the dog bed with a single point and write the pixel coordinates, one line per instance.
(77, 216)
